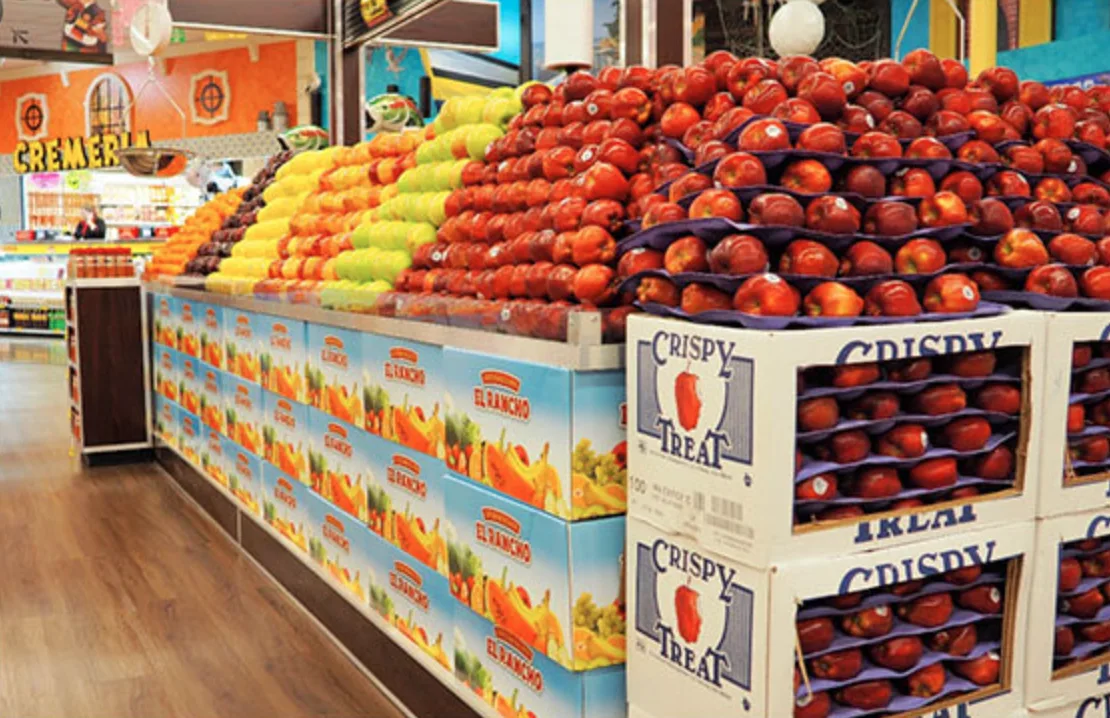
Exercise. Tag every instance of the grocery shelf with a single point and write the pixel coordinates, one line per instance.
(108, 283)
(583, 351)
(430, 666)
(32, 332)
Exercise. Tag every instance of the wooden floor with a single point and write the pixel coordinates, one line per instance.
(118, 599)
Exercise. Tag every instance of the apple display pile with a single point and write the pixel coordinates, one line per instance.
(533, 230)
(234, 228)
(775, 146)
(902, 647)
(1088, 420)
(321, 230)
(895, 436)
(254, 253)
(1083, 614)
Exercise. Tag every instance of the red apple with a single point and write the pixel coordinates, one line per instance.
(951, 293)
(740, 169)
(833, 299)
(687, 254)
(804, 256)
(892, 298)
(766, 295)
(738, 254)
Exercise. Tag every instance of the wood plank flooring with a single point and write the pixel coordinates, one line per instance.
(118, 599)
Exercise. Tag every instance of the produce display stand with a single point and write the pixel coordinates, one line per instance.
(106, 338)
(298, 463)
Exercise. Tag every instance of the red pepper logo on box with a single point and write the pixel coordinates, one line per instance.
(687, 399)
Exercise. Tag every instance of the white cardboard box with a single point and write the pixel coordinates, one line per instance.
(1059, 494)
(741, 662)
(728, 481)
(1087, 682)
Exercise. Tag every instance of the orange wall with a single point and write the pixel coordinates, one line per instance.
(254, 87)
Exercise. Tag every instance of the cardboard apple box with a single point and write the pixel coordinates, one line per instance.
(740, 658)
(728, 481)
(285, 507)
(1087, 681)
(1090, 707)
(1062, 490)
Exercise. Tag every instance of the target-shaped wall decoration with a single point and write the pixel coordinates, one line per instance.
(32, 117)
(210, 95)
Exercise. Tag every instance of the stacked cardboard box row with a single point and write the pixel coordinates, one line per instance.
(887, 598)
(473, 502)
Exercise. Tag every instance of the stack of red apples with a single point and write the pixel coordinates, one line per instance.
(902, 647)
(820, 191)
(1083, 616)
(1088, 426)
(890, 436)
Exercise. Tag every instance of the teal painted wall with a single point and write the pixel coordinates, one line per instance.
(917, 34)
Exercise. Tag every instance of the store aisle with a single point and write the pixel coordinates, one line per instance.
(118, 599)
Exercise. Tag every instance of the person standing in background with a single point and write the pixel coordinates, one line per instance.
(91, 226)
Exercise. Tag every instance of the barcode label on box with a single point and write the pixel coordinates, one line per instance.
(723, 514)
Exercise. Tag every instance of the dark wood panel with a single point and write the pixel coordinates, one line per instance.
(633, 32)
(215, 504)
(670, 23)
(418, 690)
(309, 16)
(110, 332)
(353, 89)
(462, 24)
